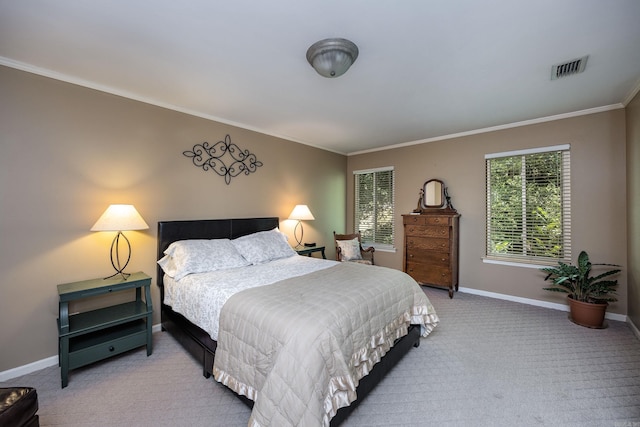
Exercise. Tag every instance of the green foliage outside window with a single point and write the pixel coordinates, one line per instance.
(525, 206)
(374, 208)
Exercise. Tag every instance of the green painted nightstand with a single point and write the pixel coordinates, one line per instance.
(87, 337)
(308, 250)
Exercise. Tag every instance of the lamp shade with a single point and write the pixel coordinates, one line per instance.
(120, 218)
(301, 213)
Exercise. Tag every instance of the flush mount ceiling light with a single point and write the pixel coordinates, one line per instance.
(332, 57)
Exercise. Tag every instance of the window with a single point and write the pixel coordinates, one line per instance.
(529, 205)
(374, 199)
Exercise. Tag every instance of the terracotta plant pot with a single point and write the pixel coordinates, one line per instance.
(587, 314)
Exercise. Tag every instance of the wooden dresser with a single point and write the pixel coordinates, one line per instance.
(431, 248)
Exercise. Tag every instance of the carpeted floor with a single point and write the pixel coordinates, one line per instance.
(489, 363)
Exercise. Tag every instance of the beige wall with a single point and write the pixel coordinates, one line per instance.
(633, 208)
(598, 195)
(67, 152)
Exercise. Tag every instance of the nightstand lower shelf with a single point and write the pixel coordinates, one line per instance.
(99, 345)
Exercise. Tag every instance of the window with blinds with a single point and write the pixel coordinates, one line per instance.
(529, 205)
(374, 206)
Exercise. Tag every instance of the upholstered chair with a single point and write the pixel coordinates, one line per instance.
(349, 248)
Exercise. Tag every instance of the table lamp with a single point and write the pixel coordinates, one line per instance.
(120, 218)
(300, 213)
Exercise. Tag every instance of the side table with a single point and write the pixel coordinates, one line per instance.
(87, 337)
(308, 250)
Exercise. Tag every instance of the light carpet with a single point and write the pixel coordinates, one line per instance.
(489, 363)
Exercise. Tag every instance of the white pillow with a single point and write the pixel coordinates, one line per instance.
(199, 256)
(264, 246)
(349, 249)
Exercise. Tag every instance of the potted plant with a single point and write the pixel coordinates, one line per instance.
(588, 295)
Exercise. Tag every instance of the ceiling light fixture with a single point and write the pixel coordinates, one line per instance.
(332, 57)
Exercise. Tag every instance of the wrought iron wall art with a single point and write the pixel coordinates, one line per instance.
(224, 158)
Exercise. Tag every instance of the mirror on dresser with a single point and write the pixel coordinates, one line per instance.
(431, 238)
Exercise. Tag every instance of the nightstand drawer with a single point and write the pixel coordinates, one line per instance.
(100, 345)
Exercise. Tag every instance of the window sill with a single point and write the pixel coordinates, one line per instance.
(514, 263)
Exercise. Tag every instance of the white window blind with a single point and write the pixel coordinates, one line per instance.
(374, 206)
(529, 205)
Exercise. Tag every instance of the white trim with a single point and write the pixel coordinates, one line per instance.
(514, 263)
(382, 169)
(526, 151)
(534, 302)
(28, 368)
(129, 95)
(633, 327)
(495, 128)
(42, 364)
(632, 93)
(125, 94)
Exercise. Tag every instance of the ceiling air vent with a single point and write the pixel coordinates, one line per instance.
(568, 68)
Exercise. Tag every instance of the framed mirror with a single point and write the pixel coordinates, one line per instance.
(433, 194)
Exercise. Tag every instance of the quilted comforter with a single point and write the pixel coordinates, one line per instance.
(299, 347)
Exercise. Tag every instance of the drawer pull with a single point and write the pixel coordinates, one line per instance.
(111, 348)
(410, 255)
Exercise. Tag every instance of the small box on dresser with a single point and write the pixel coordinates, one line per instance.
(431, 241)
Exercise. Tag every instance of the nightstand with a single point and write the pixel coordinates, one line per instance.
(308, 250)
(90, 336)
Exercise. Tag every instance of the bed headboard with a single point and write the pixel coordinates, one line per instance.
(171, 231)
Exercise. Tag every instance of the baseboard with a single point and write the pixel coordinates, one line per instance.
(633, 327)
(41, 364)
(538, 303)
(53, 360)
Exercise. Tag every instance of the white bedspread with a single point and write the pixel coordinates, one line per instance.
(299, 347)
(200, 297)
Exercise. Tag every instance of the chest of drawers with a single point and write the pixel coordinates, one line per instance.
(431, 248)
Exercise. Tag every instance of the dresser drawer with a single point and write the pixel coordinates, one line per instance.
(429, 274)
(426, 220)
(423, 256)
(430, 244)
(427, 231)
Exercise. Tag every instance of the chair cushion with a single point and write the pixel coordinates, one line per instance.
(349, 249)
(362, 261)
(18, 406)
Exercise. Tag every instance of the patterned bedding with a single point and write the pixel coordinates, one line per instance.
(200, 297)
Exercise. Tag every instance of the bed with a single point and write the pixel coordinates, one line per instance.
(198, 340)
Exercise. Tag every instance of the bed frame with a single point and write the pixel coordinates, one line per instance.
(198, 342)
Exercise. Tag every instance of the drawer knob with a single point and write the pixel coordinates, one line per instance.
(410, 255)
(111, 348)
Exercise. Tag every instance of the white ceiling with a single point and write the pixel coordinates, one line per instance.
(426, 69)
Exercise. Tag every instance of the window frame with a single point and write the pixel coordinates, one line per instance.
(565, 177)
(378, 245)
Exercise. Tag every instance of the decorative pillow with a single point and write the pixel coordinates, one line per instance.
(349, 249)
(264, 246)
(199, 256)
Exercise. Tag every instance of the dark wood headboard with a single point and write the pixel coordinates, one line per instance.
(171, 231)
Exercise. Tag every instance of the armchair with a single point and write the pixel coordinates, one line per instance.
(349, 248)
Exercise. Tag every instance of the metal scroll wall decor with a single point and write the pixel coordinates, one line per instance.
(224, 158)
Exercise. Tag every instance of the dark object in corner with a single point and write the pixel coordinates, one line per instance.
(18, 407)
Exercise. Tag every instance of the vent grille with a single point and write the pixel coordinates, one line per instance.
(569, 68)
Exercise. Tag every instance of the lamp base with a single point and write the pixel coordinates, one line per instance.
(124, 276)
(116, 263)
(295, 234)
